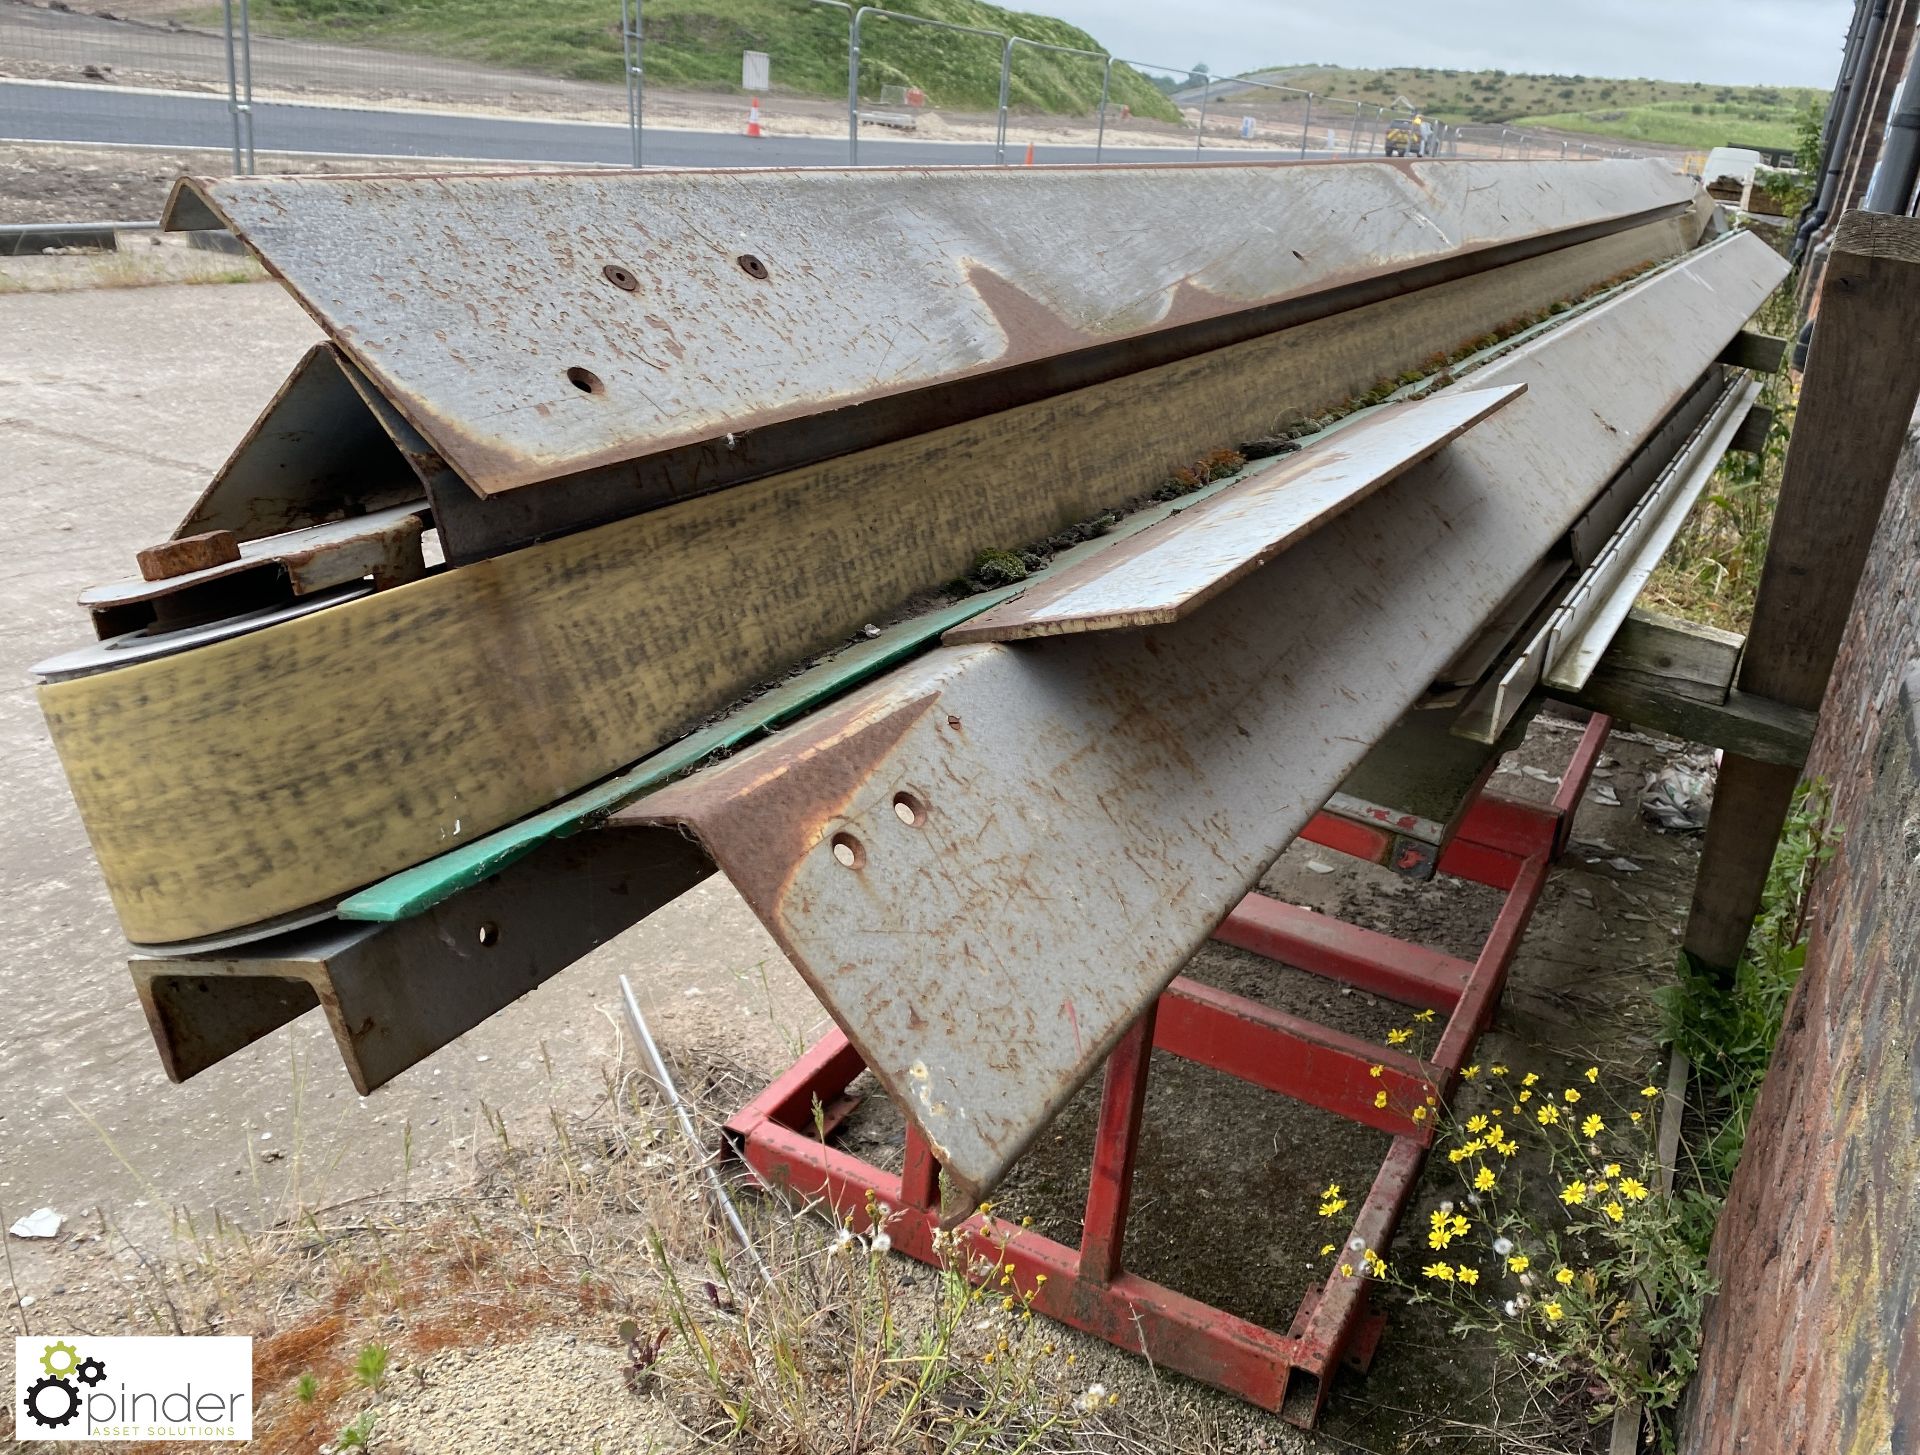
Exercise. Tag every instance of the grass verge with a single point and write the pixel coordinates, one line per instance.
(579, 1294)
(697, 43)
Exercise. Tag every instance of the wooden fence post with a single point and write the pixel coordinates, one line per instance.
(1861, 385)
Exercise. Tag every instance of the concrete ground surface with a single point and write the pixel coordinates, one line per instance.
(115, 407)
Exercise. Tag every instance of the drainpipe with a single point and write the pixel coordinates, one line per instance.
(1892, 186)
(1841, 139)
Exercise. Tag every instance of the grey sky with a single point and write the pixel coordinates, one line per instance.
(1777, 42)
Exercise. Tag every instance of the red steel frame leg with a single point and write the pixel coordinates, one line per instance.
(1501, 843)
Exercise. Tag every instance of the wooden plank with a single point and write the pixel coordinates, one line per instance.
(1163, 574)
(250, 779)
(1764, 731)
(1751, 349)
(1751, 437)
(1666, 657)
(1862, 381)
(1677, 677)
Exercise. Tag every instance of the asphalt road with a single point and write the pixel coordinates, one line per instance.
(99, 114)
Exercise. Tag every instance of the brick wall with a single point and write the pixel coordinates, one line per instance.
(1814, 1342)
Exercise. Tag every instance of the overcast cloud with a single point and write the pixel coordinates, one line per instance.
(1775, 42)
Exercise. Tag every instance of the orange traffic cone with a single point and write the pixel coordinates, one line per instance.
(1029, 154)
(753, 118)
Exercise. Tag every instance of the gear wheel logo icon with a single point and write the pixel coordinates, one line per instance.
(60, 1360)
(92, 1371)
(52, 1402)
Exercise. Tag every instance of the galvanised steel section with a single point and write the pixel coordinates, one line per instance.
(1173, 568)
(989, 863)
(537, 325)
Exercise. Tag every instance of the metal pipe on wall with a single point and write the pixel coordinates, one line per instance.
(1839, 143)
(1893, 178)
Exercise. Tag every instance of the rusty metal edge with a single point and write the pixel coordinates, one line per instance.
(786, 442)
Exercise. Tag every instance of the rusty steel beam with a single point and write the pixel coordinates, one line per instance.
(988, 864)
(727, 325)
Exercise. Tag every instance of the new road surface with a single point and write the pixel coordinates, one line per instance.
(50, 111)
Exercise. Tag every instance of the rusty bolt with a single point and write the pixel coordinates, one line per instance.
(189, 553)
(620, 277)
(751, 266)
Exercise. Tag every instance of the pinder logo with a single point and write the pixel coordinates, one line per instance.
(81, 1388)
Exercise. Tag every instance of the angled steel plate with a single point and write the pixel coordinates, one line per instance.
(1164, 573)
(989, 862)
(541, 324)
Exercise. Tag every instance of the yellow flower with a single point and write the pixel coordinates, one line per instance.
(1601, 1184)
(1548, 1114)
(1571, 1095)
(1379, 1098)
(1376, 1071)
(1483, 1180)
(1326, 1250)
(1649, 1092)
(1006, 1304)
(1530, 1078)
(1039, 1278)
(1419, 1113)
(1499, 1071)
(1592, 1073)
(1507, 1148)
(1614, 1211)
(1332, 1206)
(1574, 1193)
(1333, 1190)
(1592, 1126)
(1467, 1275)
(1553, 1311)
(1346, 1270)
(1476, 1124)
(1518, 1263)
(1399, 1037)
(1612, 1169)
(1458, 1226)
(1376, 1265)
(1633, 1189)
(1634, 1116)
(1563, 1277)
(1471, 1073)
(1524, 1096)
(1423, 1015)
(1458, 1154)
(1441, 1271)
(1439, 1238)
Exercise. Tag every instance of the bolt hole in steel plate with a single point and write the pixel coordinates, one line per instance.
(849, 852)
(585, 380)
(909, 810)
(620, 277)
(489, 935)
(751, 266)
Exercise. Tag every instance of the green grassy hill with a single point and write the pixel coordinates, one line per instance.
(697, 43)
(1676, 113)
